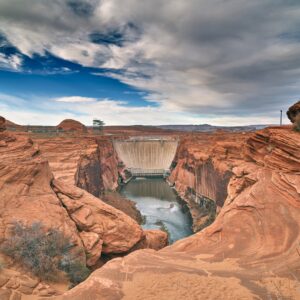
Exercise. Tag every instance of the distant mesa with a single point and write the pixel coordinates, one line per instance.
(6, 124)
(293, 112)
(71, 125)
(2, 124)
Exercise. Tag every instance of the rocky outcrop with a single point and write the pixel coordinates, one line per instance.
(2, 124)
(202, 171)
(25, 190)
(64, 155)
(29, 193)
(15, 285)
(71, 125)
(118, 232)
(88, 172)
(123, 204)
(87, 162)
(274, 148)
(152, 239)
(110, 164)
(251, 250)
(264, 187)
(293, 112)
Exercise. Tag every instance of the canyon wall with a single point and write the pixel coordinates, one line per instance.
(29, 193)
(260, 217)
(202, 170)
(32, 190)
(88, 162)
(203, 164)
(251, 251)
(98, 170)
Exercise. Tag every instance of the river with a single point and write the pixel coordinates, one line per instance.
(160, 207)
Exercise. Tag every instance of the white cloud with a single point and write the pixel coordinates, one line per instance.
(219, 58)
(12, 62)
(75, 99)
(112, 112)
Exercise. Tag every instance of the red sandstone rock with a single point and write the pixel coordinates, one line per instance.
(71, 125)
(2, 124)
(93, 246)
(118, 232)
(89, 162)
(255, 235)
(293, 111)
(152, 239)
(27, 195)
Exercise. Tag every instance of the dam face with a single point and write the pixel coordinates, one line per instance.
(147, 156)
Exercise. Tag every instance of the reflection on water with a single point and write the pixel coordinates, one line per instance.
(158, 203)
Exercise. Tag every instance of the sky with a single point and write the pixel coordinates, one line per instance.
(221, 62)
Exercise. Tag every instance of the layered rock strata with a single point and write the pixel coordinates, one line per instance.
(70, 125)
(30, 193)
(202, 170)
(251, 251)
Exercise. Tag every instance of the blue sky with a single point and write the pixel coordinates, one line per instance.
(131, 62)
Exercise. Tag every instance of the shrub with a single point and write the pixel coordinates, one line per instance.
(76, 271)
(43, 253)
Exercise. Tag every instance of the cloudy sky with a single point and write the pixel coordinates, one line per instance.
(223, 62)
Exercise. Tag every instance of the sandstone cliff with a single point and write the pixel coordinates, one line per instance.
(251, 251)
(85, 161)
(29, 193)
(202, 170)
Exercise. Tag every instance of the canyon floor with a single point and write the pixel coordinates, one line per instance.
(250, 251)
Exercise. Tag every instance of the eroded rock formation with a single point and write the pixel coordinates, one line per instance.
(71, 125)
(87, 162)
(293, 112)
(203, 168)
(294, 115)
(2, 124)
(251, 251)
(118, 232)
(29, 193)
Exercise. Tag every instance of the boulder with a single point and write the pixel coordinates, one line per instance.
(118, 231)
(293, 112)
(93, 246)
(152, 239)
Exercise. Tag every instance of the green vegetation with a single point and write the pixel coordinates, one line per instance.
(76, 270)
(209, 210)
(98, 125)
(44, 253)
(163, 227)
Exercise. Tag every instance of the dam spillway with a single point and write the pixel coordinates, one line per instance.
(147, 156)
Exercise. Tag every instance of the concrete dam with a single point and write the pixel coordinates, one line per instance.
(147, 156)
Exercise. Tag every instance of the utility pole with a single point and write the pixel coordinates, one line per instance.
(281, 117)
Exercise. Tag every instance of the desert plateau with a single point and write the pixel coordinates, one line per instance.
(149, 150)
